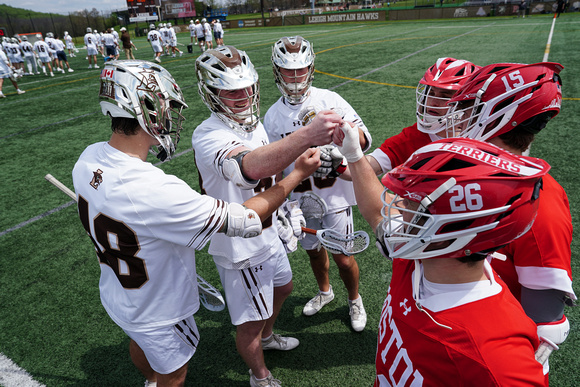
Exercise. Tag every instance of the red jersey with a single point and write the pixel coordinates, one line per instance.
(541, 258)
(397, 149)
(491, 341)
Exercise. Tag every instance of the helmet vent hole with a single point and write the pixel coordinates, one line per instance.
(455, 164)
(503, 104)
(456, 226)
(418, 165)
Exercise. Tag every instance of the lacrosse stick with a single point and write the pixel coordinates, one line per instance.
(209, 296)
(313, 206)
(338, 243)
(544, 350)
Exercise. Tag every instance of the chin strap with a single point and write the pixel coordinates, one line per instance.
(416, 281)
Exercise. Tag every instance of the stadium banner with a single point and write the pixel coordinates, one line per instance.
(346, 17)
(142, 10)
(178, 8)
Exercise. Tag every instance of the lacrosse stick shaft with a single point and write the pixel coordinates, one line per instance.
(62, 187)
(309, 230)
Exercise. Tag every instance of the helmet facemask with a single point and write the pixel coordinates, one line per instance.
(432, 109)
(295, 57)
(226, 78)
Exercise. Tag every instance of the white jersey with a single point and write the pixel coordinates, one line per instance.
(283, 118)
(69, 42)
(212, 142)
(207, 30)
(90, 41)
(166, 33)
(199, 30)
(217, 27)
(109, 40)
(58, 45)
(191, 29)
(42, 50)
(5, 70)
(27, 48)
(145, 226)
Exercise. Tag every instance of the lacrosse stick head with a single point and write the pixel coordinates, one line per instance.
(349, 244)
(209, 296)
(312, 206)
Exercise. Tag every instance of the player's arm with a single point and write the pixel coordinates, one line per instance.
(367, 188)
(246, 220)
(346, 175)
(270, 159)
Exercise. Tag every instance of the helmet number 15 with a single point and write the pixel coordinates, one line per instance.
(466, 198)
(515, 78)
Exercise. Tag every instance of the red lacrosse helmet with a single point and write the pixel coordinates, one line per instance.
(502, 96)
(447, 74)
(458, 197)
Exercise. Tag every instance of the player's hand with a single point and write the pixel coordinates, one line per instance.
(321, 128)
(307, 163)
(295, 217)
(331, 162)
(350, 143)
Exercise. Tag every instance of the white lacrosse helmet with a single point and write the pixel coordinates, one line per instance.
(39, 36)
(227, 68)
(168, 25)
(89, 30)
(203, 20)
(65, 33)
(293, 53)
(191, 22)
(49, 35)
(15, 41)
(151, 26)
(24, 38)
(436, 88)
(147, 92)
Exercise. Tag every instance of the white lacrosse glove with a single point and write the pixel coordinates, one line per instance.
(286, 234)
(332, 163)
(350, 148)
(295, 217)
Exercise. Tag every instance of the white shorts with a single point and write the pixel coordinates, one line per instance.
(192, 34)
(167, 349)
(339, 221)
(250, 292)
(91, 51)
(44, 58)
(157, 48)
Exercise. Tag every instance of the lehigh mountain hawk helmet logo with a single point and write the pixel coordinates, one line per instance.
(97, 179)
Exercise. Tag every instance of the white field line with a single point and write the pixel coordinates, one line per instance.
(13, 376)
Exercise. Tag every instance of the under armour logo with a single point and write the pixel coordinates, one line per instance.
(258, 268)
(404, 305)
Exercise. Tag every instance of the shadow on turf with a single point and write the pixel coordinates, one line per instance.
(216, 362)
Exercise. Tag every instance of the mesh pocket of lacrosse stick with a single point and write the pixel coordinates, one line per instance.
(312, 206)
(338, 243)
(209, 296)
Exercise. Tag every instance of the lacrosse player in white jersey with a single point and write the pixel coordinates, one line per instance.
(70, 46)
(28, 51)
(43, 51)
(192, 34)
(293, 62)
(145, 224)
(154, 37)
(173, 41)
(207, 32)
(7, 72)
(92, 48)
(235, 161)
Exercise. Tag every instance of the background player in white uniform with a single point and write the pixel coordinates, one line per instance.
(452, 208)
(116, 35)
(70, 46)
(111, 44)
(28, 51)
(235, 161)
(156, 40)
(165, 34)
(293, 62)
(42, 49)
(7, 72)
(145, 224)
(207, 32)
(200, 33)
(192, 34)
(16, 60)
(92, 49)
(173, 41)
(218, 32)
(61, 55)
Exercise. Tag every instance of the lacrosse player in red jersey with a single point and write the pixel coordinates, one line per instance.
(145, 225)
(507, 104)
(293, 64)
(448, 319)
(235, 160)
(439, 83)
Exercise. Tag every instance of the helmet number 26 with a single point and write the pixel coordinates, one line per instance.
(465, 198)
(516, 79)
